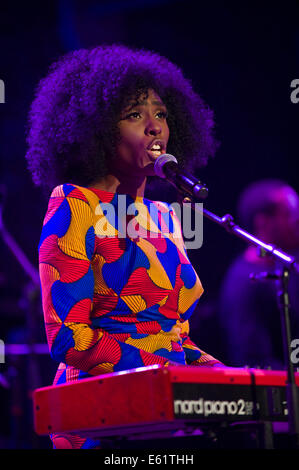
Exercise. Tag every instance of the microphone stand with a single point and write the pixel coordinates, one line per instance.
(290, 264)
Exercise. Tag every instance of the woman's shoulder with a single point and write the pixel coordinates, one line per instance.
(74, 191)
(68, 190)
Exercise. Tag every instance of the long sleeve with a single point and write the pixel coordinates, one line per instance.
(66, 249)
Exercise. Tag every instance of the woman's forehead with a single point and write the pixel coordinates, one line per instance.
(145, 98)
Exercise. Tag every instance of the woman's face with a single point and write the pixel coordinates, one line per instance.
(144, 135)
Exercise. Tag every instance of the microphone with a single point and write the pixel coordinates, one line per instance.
(166, 166)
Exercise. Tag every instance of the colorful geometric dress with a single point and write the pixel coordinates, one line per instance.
(117, 286)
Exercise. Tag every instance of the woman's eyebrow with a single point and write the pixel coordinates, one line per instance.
(145, 103)
(154, 102)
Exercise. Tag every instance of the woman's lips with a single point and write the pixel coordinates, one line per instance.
(153, 155)
(155, 148)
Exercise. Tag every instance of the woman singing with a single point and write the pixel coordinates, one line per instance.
(114, 300)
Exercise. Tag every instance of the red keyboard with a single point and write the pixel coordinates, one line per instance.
(160, 398)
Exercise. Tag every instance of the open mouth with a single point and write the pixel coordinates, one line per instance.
(156, 149)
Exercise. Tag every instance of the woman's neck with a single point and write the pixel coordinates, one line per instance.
(113, 184)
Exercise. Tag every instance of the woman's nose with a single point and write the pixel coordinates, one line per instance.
(153, 127)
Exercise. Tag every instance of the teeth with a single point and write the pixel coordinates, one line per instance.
(156, 147)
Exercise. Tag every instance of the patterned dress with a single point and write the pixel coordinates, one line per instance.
(117, 286)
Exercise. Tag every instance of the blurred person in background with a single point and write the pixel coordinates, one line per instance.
(249, 313)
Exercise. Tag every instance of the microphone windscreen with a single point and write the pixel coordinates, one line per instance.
(161, 161)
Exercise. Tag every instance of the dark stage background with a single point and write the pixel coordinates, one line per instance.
(241, 57)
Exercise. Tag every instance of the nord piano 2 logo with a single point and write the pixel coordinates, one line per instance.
(229, 402)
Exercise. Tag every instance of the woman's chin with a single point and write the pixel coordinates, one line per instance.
(149, 169)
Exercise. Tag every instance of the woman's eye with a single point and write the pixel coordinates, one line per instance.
(162, 114)
(135, 115)
(138, 115)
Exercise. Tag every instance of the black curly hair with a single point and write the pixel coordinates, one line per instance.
(73, 120)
